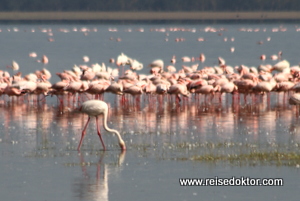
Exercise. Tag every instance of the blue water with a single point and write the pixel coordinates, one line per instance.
(38, 144)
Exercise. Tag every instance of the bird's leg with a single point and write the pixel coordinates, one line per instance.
(99, 134)
(83, 133)
(245, 98)
(178, 99)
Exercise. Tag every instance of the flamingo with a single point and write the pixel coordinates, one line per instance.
(115, 87)
(171, 69)
(222, 61)
(274, 57)
(295, 99)
(58, 88)
(202, 57)
(157, 64)
(75, 86)
(43, 86)
(285, 86)
(45, 73)
(87, 74)
(179, 88)
(27, 86)
(14, 66)
(10, 90)
(135, 65)
(136, 89)
(265, 86)
(161, 88)
(173, 60)
(85, 59)
(45, 59)
(94, 108)
(98, 87)
(111, 60)
(186, 59)
(32, 54)
(122, 59)
(282, 66)
(228, 87)
(265, 68)
(262, 57)
(296, 87)
(208, 89)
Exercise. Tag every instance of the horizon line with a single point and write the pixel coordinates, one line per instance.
(145, 15)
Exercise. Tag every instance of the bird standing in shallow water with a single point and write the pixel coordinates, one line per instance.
(96, 108)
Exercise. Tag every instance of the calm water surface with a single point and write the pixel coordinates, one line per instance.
(197, 139)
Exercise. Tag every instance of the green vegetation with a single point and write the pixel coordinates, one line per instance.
(238, 154)
(254, 158)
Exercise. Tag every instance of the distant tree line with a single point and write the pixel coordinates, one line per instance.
(149, 5)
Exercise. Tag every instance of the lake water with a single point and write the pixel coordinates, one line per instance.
(198, 139)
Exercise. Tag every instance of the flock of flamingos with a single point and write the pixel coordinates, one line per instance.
(86, 85)
(163, 81)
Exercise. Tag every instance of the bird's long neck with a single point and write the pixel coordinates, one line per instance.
(121, 142)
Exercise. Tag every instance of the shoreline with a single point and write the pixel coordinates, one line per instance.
(144, 16)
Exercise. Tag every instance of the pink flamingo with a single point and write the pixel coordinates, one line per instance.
(262, 57)
(85, 59)
(171, 69)
(179, 88)
(161, 88)
(295, 99)
(14, 66)
(58, 88)
(186, 59)
(285, 87)
(196, 84)
(115, 88)
(173, 60)
(111, 60)
(98, 87)
(45, 59)
(245, 86)
(45, 73)
(135, 90)
(222, 61)
(43, 86)
(32, 54)
(122, 60)
(265, 86)
(87, 74)
(75, 86)
(228, 87)
(202, 58)
(12, 91)
(150, 88)
(94, 108)
(157, 64)
(282, 66)
(208, 89)
(135, 65)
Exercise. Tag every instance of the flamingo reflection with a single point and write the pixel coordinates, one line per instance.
(94, 186)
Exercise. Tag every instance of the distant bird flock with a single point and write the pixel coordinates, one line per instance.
(163, 80)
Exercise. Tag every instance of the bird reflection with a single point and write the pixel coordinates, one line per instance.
(46, 127)
(94, 185)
